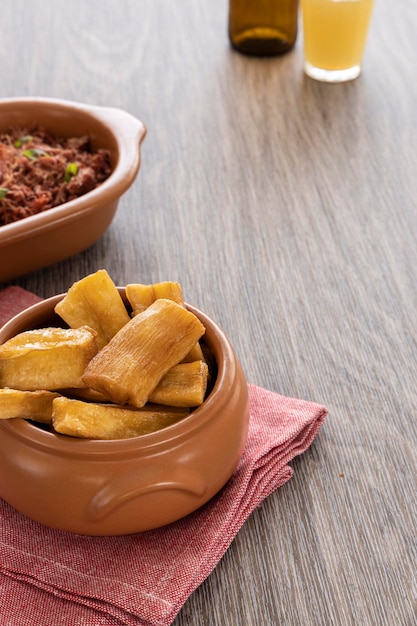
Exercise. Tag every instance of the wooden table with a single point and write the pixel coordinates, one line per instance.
(287, 209)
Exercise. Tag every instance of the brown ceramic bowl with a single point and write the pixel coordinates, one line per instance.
(55, 234)
(126, 486)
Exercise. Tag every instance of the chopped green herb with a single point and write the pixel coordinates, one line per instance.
(19, 142)
(70, 171)
(3, 192)
(34, 153)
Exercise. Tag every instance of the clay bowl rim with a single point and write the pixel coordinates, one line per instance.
(125, 132)
(151, 443)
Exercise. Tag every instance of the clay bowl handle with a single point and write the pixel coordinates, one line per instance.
(129, 486)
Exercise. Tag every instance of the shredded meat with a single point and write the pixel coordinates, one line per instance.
(39, 171)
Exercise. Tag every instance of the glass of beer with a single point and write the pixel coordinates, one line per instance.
(335, 33)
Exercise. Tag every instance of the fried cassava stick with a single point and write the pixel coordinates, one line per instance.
(184, 384)
(131, 365)
(33, 405)
(94, 301)
(100, 421)
(48, 358)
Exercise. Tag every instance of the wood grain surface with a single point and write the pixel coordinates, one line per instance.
(287, 209)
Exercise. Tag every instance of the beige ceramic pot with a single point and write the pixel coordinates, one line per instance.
(43, 239)
(131, 485)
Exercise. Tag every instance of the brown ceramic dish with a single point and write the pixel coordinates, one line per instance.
(130, 485)
(43, 239)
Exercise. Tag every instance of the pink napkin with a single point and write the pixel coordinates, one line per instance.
(144, 579)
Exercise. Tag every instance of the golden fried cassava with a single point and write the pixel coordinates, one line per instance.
(131, 365)
(184, 384)
(94, 301)
(33, 405)
(195, 354)
(118, 374)
(108, 421)
(141, 296)
(47, 358)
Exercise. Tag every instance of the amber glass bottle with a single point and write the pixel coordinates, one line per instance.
(263, 27)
